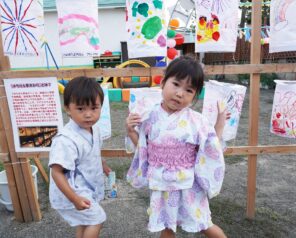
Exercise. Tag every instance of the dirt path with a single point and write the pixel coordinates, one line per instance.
(275, 200)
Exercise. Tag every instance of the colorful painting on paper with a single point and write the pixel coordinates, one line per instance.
(282, 26)
(105, 118)
(78, 28)
(142, 100)
(22, 24)
(227, 95)
(147, 28)
(283, 118)
(216, 25)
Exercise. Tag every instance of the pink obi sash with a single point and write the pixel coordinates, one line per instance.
(172, 157)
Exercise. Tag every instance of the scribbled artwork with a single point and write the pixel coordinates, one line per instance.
(22, 27)
(216, 25)
(147, 28)
(105, 118)
(283, 118)
(230, 96)
(282, 26)
(142, 100)
(78, 28)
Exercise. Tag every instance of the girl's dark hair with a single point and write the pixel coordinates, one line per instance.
(83, 90)
(186, 67)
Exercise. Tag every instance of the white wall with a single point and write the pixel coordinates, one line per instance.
(112, 32)
(112, 28)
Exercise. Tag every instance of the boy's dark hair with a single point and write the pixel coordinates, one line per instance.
(186, 67)
(83, 90)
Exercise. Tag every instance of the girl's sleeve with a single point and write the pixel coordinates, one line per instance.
(129, 145)
(63, 152)
(210, 165)
(137, 173)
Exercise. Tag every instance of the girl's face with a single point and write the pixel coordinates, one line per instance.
(177, 94)
(85, 115)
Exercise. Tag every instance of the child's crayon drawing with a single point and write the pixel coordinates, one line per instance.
(78, 28)
(22, 27)
(216, 25)
(146, 28)
(283, 118)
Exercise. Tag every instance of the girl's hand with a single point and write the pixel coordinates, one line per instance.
(81, 203)
(223, 115)
(106, 168)
(133, 119)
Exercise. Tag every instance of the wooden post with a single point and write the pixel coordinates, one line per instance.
(10, 173)
(18, 213)
(254, 106)
(26, 206)
(3, 141)
(5, 66)
(4, 60)
(20, 182)
(18, 176)
(31, 192)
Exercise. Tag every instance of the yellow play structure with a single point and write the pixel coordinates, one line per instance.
(118, 81)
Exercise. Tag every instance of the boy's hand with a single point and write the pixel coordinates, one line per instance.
(106, 168)
(133, 119)
(81, 203)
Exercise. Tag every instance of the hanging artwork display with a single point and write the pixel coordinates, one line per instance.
(22, 27)
(283, 118)
(226, 95)
(105, 117)
(146, 27)
(282, 26)
(216, 25)
(142, 100)
(78, 28)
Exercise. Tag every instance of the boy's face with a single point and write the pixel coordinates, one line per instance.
(85, 115)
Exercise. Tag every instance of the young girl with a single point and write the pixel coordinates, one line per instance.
(77, 182)
(178, 155)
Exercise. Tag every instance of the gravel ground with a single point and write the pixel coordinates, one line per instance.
(275, 192)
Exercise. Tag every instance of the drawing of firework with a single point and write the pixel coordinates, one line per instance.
(22, 26)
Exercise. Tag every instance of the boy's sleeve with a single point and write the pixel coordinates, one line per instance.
(63, 152)
(210, 165)
(101, 139)
(137, 173)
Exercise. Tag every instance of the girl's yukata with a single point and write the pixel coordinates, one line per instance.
(78, 152)
(180, 158)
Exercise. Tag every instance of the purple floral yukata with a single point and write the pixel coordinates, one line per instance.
(180, 159)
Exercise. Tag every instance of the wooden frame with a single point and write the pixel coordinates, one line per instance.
(21, 187)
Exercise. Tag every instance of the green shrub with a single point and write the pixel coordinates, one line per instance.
(244, 79)
(268, 80)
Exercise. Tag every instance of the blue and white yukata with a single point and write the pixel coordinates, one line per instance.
(179, 157)
(78, 152)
